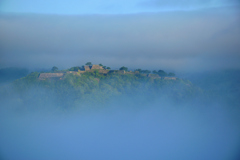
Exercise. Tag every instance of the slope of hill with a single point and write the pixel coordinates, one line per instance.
(94, 88)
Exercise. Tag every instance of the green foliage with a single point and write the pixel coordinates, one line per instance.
(108, 68)
(143, 71)
(139, 70)
(96, 88)
(155, 72)
(54, 69)
(89, 64)
(124, 68)
(74, 69)
(27, 82)
(161, 73)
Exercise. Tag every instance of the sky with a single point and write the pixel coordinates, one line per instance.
(175, 35)
(107, 6)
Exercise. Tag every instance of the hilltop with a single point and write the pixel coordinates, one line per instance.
(97, 85)
(101, 70)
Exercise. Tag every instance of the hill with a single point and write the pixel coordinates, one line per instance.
(96, 87)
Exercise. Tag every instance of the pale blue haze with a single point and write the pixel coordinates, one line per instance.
(108, 6)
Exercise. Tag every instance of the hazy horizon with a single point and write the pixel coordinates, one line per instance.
(189, 40)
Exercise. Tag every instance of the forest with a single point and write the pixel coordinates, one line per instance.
(95, 89)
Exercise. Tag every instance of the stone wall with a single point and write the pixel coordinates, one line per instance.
(87, 68)
(170, 78)
(75, 72)
(96, 67)
(43, 76)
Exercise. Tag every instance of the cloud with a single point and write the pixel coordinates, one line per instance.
(183, 40)
(190, 132)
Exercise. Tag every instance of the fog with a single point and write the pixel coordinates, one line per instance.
(201, 45)
(127, 127)
(184, 40)
(159, 131)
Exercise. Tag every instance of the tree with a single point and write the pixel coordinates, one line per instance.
(89, 64)
(74, 69)
(124, 68)
(54, 69)
(100, 64)
(143, 71)
(171, 74)
(155, 72)
(139, 70)
(161, 73)
(96, 72)
(108, 68)
(146, 71)
(104, 67)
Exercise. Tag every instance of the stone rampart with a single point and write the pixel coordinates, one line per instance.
(170, 78)
(43, 76)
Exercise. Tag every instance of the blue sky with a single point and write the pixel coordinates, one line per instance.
(108, 6)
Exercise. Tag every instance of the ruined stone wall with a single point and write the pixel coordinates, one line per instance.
(71, 71)
(43, 76)
(170, 78)
(75, 72)
(87, 68)
(96, 67)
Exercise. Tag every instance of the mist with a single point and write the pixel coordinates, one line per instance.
(139, 126)
(159, 131)
(184, 40)
(194, 118)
